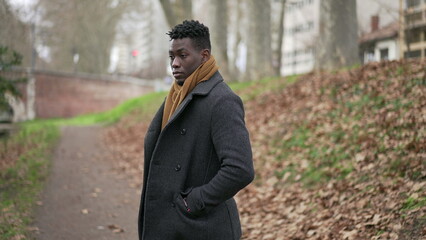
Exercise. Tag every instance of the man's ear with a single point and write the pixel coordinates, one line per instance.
(205, 53)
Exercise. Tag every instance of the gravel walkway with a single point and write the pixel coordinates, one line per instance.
(84, 197)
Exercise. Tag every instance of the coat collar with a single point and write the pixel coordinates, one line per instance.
(203, 88)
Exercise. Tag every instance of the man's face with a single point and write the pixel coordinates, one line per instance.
(184, 58)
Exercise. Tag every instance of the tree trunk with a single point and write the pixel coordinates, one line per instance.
(219, 35)
(238, 39)
(259, 52)
(169, 12)
(338, 41)
(177, 11)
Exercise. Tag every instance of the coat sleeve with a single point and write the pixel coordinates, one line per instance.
(232, 144)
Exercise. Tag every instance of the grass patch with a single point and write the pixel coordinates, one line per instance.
(290, 171)
(250, 90)
(413, 203)
(238, 86)
(298, 139)
(21, 183)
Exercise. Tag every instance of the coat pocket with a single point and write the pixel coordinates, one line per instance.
(189, 204)
(190, 226)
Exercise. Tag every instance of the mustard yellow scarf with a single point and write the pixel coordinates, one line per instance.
(177, 93)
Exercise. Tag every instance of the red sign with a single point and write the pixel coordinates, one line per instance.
(135, 53)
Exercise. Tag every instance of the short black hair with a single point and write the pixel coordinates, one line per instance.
(194, 30)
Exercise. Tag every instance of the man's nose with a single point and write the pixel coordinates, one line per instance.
(175, 63)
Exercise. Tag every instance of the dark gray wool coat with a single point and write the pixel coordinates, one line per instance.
(202, 154)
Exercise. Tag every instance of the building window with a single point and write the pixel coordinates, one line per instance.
(299, 52)
(294, 5)
(413, 18)
(384, 54)
(414, 36)
(369, 56)
(412, 3)
(413, 54)
(304, 27)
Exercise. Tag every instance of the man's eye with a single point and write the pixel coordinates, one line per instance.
(171, 57)
(183, 55)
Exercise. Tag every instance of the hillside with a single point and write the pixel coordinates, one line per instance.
(337, 155)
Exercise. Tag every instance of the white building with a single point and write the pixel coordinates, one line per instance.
(380, 43)
(302, 30)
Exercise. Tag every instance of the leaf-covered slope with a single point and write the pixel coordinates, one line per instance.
(340, 155)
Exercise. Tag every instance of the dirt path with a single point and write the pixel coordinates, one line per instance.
(84, 198)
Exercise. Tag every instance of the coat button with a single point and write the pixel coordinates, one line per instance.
(173, 205)
(177, 168)
(183, 131)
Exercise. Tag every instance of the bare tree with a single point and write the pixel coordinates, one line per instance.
(176, 11)
(14, 33)
(338, 41)
(82, 30)
(258, 38)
